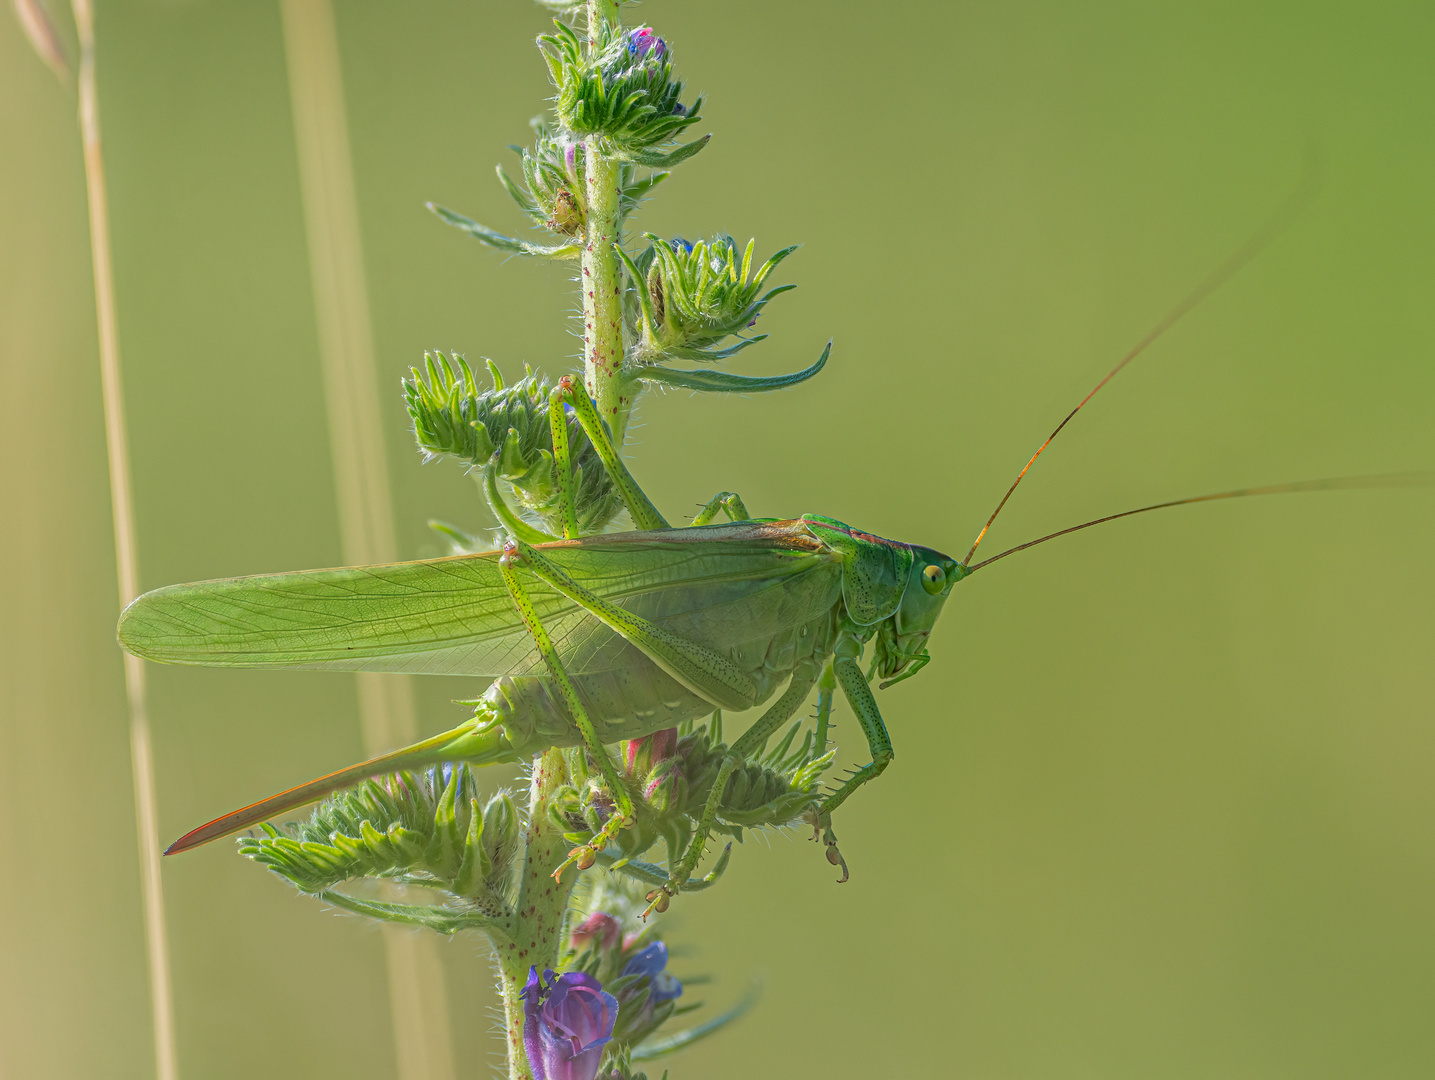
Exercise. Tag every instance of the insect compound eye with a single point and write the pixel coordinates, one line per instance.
(933, 578)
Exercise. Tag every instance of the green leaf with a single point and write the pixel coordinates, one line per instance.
(645, 303)
(711, 356)
(460, 539)
(721, 382)
(637, 189)
(650, 874)
(443, 919)
(654, 159)
(656, 1048)
(517, 194)
(505, 243)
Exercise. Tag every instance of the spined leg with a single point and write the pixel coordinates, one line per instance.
(585, 855)
(711, 676)
(645, 515)
(781, 711)
(562, 397)
(563, 464)
(825, 688)
(864, 706)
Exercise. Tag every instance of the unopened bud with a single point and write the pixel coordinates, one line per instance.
(643, 41)
(599, 927)
(500, 831)
(570, 161)
(628, 66)
(726, 296)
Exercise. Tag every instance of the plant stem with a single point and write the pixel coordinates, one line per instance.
(599, 12)
(602, 290)
(543, 903)
(510, 986)
(602, 277)
(537, 935)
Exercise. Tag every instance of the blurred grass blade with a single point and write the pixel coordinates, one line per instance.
(126, 557)
(418, 1006)
(43, 36)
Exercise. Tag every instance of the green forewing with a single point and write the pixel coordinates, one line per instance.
(718, 585)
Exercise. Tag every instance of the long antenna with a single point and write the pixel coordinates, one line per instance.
(1383, 480)
(1222, 274)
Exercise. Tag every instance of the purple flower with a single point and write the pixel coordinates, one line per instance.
(643, 41)
(566, 1024)
(650, 962)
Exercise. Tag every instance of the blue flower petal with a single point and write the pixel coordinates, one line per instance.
(649, 961)
(665, 988)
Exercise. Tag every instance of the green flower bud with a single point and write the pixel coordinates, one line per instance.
(500, 840)
(552, 194)
(417, 828)
(452, 416)
(737, 788)
(669, 786)
(624, 93)
(693, 296)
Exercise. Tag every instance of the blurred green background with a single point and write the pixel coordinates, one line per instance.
(1161, 804)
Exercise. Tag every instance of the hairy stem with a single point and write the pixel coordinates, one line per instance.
(542, 902)
(599, 12)
(602, 290)
(537, 935)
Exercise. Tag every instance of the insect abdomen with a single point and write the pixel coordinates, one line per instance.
(636, 697)
(623, 704)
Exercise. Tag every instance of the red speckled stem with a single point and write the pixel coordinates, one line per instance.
(537, 935)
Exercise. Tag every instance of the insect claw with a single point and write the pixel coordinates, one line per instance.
(834, 856)
(585, 855)
(659, 899)
(813, 817)
(818, 820)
